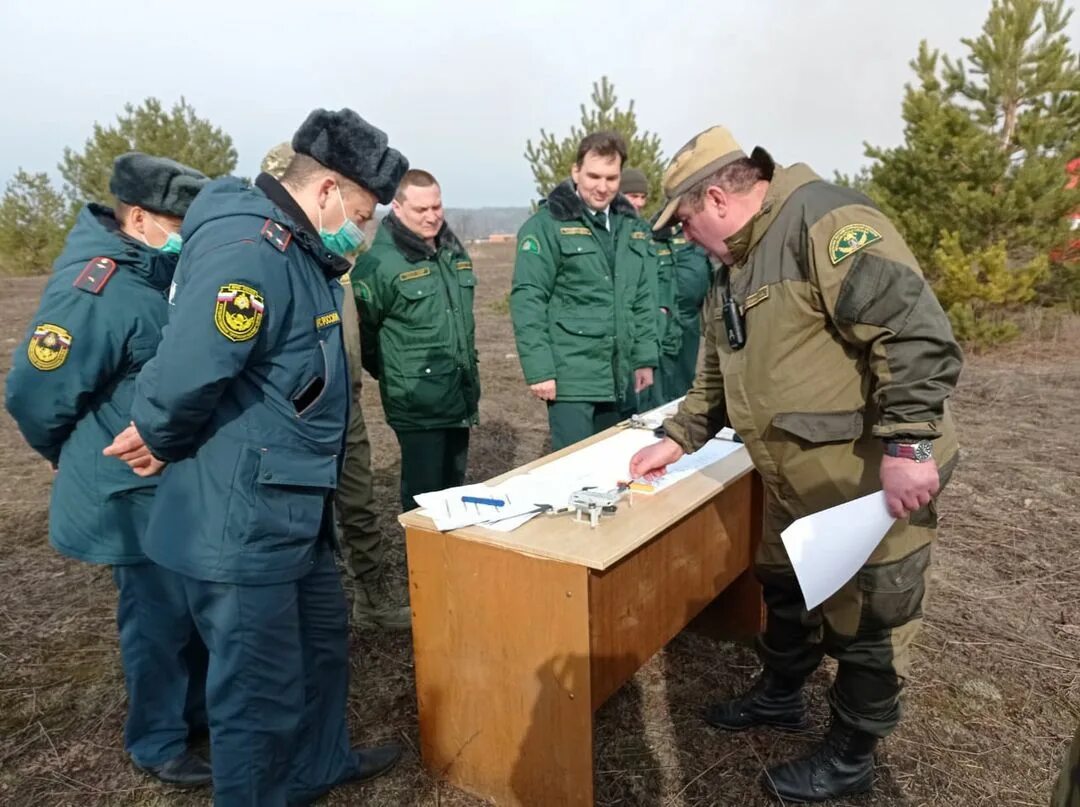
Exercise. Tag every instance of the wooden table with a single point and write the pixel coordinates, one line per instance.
(520, 637)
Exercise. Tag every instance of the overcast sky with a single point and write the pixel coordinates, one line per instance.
(460, 86)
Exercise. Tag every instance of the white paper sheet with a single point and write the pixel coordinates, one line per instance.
(828, 548)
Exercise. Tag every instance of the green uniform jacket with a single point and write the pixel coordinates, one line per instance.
(418, 335)
(668, 326)
(693, 277)
(845, 345)
(577, 319)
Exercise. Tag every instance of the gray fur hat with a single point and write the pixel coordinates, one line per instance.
(633, 181)
(158, 184)
(346, 143)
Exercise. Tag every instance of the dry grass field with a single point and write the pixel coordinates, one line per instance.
(994, 695)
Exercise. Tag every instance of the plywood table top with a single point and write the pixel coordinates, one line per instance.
(561, 538)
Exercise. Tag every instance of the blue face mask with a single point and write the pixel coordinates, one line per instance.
(173, 241)
(348, 237)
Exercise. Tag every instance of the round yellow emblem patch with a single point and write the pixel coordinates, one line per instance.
(238, 312)
(49, 346)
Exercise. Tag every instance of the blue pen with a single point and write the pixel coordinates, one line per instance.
(478, 500)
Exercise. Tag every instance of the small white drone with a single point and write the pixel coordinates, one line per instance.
(596, 503)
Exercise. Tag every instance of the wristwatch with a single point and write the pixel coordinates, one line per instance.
(920, 451)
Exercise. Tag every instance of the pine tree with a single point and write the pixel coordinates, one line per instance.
(980, 178)
(34, 218)
(551, 158)
(178, 134)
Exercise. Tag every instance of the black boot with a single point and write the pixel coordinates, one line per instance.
(186, 770)
(842, 765)
(771, 701)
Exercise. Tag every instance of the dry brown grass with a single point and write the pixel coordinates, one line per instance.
(996, 684)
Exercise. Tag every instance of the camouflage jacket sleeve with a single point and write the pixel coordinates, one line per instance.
(533, 284)
(703, 412)
(874, 293)
(369, 301)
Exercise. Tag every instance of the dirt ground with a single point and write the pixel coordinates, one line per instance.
(994, 695)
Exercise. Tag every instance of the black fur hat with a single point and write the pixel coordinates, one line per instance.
(346, 143)
(155, 183)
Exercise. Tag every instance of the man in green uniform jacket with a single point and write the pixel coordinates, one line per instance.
(415, 290)
(693, 276)
(634, 185)
(582, 299)
(834, 362)
(355, 496)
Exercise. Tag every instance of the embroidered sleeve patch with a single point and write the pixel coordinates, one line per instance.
(327, 319)
(362, 290)
(238, 312)
(415, 274)
(849, 239)
(529, 244)
(49, 346)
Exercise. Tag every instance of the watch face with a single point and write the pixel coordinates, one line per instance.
(924, 449)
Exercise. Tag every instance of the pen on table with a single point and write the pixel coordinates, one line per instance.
(482, 500)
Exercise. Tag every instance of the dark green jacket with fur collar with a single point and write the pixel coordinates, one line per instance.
(417, 332)
(577, 318)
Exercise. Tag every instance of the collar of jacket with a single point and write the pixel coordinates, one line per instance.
(152, 265)
(785, 182)
(565, 204)
(303, 230)
(415, 248)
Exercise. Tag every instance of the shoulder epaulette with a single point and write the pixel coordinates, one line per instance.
(277, 235)
(95, 275)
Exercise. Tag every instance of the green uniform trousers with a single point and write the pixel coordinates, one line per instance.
(867, 626)
(572, 421)
(355, 500)
(680, 372)
(431, 459)
(1067, 792)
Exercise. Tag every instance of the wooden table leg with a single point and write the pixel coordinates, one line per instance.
(503, 674)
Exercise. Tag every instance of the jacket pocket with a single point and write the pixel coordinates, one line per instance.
(431, 389)
(892, 593)
(291, 492)
(821, 427)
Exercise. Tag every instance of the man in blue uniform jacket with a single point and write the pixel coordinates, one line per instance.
(70, 390)
(247, 401)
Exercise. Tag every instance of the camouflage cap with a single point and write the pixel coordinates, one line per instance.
(705, 154)
(277, 160)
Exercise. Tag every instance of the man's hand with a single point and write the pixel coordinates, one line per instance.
(130, 448)
(908, 485)
(643, 378)
(545, 390)
(652, 461)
